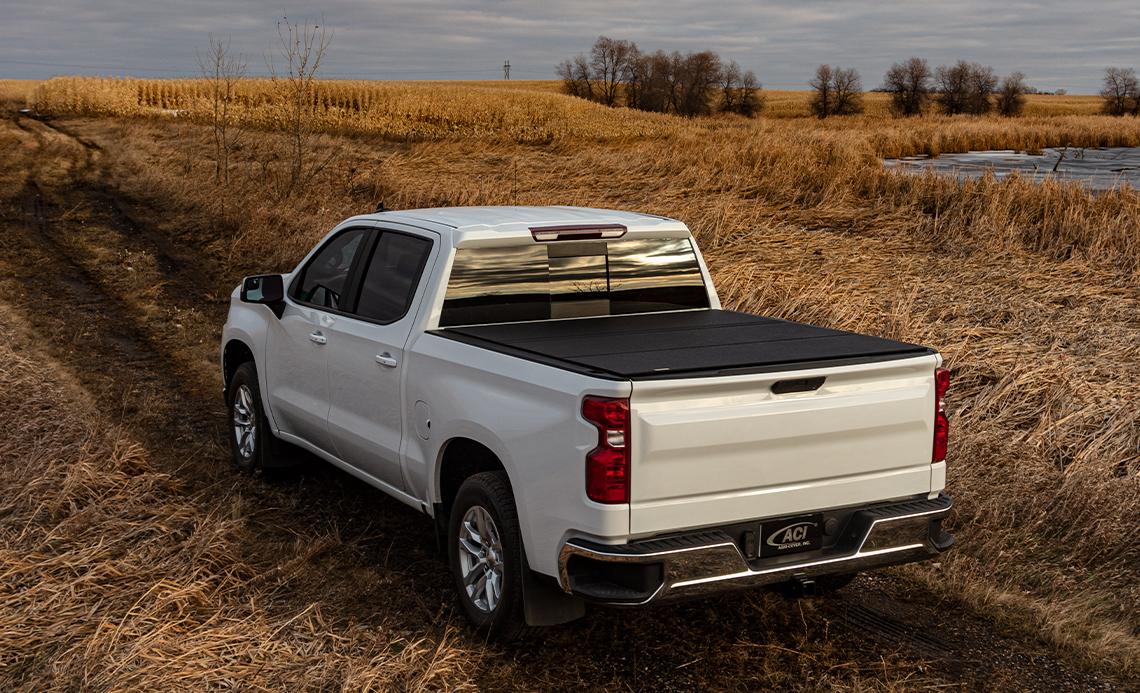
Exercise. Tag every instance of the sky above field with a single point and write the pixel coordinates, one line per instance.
(1062, 44)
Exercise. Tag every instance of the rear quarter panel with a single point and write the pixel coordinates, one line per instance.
(528, 414)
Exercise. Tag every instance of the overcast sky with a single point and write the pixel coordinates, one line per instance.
(1064, 44)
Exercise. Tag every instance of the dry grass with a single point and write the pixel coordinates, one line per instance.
(1030, 291)
(18, 90)
(112, 578)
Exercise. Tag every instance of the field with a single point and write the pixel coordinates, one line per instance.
(131, 557)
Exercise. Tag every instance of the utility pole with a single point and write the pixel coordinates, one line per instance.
(507, 69)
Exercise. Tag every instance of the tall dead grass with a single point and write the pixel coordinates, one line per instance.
(1029, 291)
(112, 578)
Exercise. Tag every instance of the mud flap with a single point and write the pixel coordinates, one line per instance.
(544, 603)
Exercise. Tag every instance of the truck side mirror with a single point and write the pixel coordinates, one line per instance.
(267, 289)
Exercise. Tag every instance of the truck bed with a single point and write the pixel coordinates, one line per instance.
(681, 344)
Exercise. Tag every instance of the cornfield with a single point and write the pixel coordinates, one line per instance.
(407, 111)
(536, 113)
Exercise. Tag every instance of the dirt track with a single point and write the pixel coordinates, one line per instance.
(134, 313)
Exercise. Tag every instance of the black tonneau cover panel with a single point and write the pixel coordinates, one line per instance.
(683, 343)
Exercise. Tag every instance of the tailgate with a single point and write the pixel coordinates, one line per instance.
(715, 450)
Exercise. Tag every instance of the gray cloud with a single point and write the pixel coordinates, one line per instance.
(1062, 44)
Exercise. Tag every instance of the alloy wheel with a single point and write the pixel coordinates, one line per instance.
(481, 558)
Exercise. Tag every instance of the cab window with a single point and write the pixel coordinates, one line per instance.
(323, 280)
(392, 276)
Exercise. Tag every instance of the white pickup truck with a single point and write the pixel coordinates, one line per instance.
(561, 391)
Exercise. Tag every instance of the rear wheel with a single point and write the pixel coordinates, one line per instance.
(252, 443)
(485, 553)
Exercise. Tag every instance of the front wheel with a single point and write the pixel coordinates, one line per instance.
(252, 443)
(485, 553)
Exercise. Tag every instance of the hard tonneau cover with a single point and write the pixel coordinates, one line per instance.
(681, 344)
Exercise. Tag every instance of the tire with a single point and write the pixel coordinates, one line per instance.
(493, 602)
(259, 449)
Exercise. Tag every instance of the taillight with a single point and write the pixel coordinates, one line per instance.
(941, 422)
(607, 465)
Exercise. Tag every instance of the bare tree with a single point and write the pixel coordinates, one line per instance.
(608, 59)
(953, 87)
(982, 84)
(633, 75)
(729, 87)
(302, 49)
(751, 99)
(836, 91)
(739, 91)
(575, 75)
(965, 87)
(848, 87)
(698, 78)
(821, 97)
(1120, 91)
(653, 84)
(908, 83)
(1011, 94)
(222, 70)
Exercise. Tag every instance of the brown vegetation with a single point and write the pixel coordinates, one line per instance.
(1030, 291)
(113, 577)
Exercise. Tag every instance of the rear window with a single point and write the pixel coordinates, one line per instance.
(572, 279)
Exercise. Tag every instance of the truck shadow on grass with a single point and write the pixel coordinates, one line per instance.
(376, 563)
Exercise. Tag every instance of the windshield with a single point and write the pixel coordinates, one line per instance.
(572, 279)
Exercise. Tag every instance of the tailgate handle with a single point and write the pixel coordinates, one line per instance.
(783, 387)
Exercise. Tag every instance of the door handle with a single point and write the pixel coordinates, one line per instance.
(317, 337)
(386, 360)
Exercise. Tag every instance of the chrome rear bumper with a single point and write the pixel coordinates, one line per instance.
(712, 561)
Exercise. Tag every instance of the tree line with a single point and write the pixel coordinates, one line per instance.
(616, 72)
(964, 87)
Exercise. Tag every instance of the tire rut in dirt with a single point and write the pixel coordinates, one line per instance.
(117, 355)
(889, 631)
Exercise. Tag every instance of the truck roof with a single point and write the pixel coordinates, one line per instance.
(492, 223)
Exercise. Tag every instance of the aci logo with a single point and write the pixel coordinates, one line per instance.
(790, 536)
